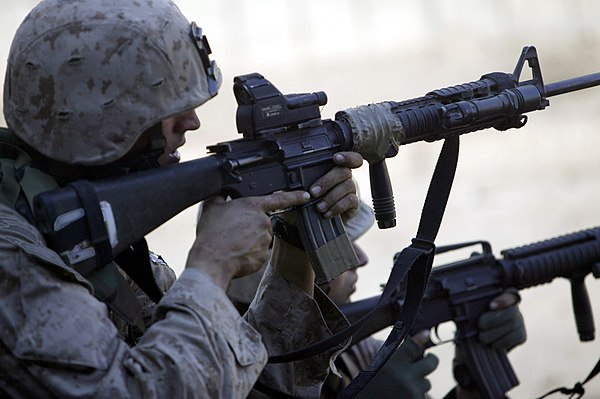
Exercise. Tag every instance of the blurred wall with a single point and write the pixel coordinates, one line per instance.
(511, 188)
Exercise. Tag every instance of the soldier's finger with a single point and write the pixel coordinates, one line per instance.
(421, 338)
(347, 204)
(490, 336)
(334, 177)
(426, 365)
(282, 200)
(493, 319)
(349, 159)
(506, 299)
(509, 341)
(345, 192)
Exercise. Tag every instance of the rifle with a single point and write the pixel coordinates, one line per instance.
(461, 292)
(287, 146)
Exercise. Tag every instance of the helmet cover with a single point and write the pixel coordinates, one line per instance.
(86, 78)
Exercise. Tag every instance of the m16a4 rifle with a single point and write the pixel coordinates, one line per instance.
(286, 145)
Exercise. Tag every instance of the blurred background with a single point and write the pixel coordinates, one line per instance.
(511, 188)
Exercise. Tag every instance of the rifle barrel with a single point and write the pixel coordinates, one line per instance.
(569, 85)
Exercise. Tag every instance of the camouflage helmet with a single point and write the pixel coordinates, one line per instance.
(85, 78)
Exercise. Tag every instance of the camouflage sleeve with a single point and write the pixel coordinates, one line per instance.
(58, 341)
(164, 277)
(291, 322)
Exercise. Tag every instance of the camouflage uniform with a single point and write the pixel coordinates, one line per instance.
(58, 341)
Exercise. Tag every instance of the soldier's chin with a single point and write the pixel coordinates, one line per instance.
(169, 159)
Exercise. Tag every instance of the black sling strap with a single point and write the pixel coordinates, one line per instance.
(416, 260)
(95, 222)
(135, 261)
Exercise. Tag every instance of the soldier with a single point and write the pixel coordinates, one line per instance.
(96, 89)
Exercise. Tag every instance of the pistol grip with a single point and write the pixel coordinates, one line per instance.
(325, 242)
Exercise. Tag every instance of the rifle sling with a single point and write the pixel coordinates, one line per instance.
(418, 258)
(135, 261)
(413, 264)
(95, 221)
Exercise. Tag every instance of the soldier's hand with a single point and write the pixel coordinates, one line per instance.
(404, 374)
(233, 237)
(336, 189)
(503, 327)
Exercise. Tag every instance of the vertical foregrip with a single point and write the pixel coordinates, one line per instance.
(582, 309)
(383, 196)
(376, 134)
(489, 368)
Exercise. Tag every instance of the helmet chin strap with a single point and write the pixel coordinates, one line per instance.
(148, 157)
